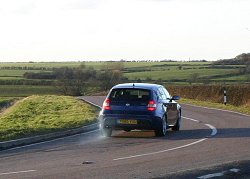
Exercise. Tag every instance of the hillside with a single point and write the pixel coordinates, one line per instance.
(242, 59)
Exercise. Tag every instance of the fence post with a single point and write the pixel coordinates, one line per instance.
(225, 96)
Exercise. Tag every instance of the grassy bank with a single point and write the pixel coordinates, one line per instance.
(242, 109)
(43, 114)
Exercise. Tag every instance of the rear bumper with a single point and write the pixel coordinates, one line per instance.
(147, 122)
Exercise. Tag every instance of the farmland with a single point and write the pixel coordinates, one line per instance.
(132, 70)
(174, 75)
(26, 90)
(196, 81)
(14, 83)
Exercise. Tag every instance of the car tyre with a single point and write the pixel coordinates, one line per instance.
(178, 123)
(107, 132)
(162, 129)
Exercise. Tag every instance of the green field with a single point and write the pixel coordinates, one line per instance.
(12, 82)
(43, 114)
(133, 70)
(174, 74)
(94, 64)
(15, 73)
(26, 90)
(235, 78)
(39, 64)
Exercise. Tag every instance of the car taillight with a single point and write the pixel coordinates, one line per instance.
(151, 105)
(106, 104)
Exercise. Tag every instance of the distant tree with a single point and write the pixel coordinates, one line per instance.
(205, 81)
(138, 80)
(41, 75)
(247, 69)
(241, 59)
(148, 79)
(248, 78)
(110, 74)
(194, 78)
(71, 81)
(159, 81)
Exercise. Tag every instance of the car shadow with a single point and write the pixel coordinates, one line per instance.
(171, 135)
(232, 133)
(188, 134)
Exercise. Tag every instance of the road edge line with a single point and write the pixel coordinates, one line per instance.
(224, 110)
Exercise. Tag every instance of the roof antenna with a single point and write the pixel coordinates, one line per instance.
(133, 85)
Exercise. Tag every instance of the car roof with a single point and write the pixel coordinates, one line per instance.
(137, 85)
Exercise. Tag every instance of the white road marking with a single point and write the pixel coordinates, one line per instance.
(224, 110)
(10, 173)
(190, 119)
(161, 151)
(48, 141)
(214, 131)
(235, 170)
(219, 174)
(211, 175)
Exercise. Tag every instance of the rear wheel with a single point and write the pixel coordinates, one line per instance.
(162, 129)
(107, 132)
(176, 127)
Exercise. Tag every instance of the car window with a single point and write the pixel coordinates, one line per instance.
(160, 94)
(129, 95)
(166, 93)
(163, 93)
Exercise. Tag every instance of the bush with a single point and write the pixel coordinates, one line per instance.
(236, 94)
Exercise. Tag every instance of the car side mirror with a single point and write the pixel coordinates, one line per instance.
(175, 98)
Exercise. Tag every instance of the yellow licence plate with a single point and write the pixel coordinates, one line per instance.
(127, 121)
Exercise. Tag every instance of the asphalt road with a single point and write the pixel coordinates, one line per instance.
(208, 138)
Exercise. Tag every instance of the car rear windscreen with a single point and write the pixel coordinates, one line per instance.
(125, 94)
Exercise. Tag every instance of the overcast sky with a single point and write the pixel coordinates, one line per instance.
(72, 30)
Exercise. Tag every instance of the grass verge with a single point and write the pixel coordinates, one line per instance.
(242, 109)
(36, 115)
(6, 102)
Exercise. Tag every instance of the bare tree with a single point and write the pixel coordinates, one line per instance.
(194, 78)
(111, 74)
(71, 80)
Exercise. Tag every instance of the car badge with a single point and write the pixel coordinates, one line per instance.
(127, 104)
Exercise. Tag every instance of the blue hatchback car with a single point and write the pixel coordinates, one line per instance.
(140, 106)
